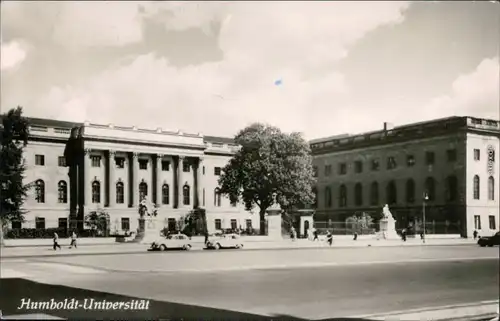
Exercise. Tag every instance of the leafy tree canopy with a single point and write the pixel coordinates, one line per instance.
(14, 134)
(268, 162)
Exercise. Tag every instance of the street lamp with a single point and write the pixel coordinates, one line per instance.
(426, 198)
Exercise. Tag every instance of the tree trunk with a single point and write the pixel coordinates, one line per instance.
(2, 230)
(262, 216)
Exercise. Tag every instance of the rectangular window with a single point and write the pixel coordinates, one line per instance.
(185, 167)
(203, 197)
(249, 224)
(358, 167)
(218, 224)
(165, 166)
(143, 164)
(375, 165)
(172, 224)
(410, 160)
(477, 154)
(17, 225)
(493, 223)
(40, 160)
(477, 222)
(96, 161)
(125, 224)
(203, 170)
(391, 162)
(234, 224)
(62, 222)
(451, 155)
(328, 170)
(217, 171)
(61, 161)
(429, 158)
(40, 222)
(120, 162)
(315, 171)
(342, 168)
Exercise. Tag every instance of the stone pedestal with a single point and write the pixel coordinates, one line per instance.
(274, 225)
(148, 231)
(388, 229)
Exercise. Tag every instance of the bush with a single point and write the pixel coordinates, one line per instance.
(48, 233)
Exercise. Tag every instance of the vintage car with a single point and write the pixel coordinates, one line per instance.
(174, 241)
(225, 241)
(489, 240)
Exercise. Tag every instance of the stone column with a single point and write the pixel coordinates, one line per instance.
(180, 182)
(199, 182)
(135, 180)
(159, 184)
(86, 177)
(112, 178)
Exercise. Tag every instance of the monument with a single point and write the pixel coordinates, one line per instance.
(388, 224)
(274, 219)
(148, 229)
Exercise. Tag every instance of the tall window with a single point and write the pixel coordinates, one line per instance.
(375, 164)
(429, 158)
(185, 194)
(430, 188)
(410, 191)
(120, 193)
(217, 197)
(234, 224)
(477, 154)
(61, 161)
(391, 162)
(477, 222)
(40, 160)
(410, 160)
(125, 223)
(342, 196)
(165, 194)
(392, 195)
(62, 222)
(217, 171)
(218, 224)
(358, 194)
(342, 168)
(143, 164)
(96, 161)
(62, 192)
(172, 225)
(143, 190)
(328, 170)
(358, 167)
(493, 223)
(491, 188)
(374, 198)
(96, 192)
(451, 155)
(328, 196)
(40, 222)
(40, 191)
(475, 186)
(165, 166)
(451, 188)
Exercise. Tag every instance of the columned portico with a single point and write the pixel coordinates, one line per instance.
(198, 180)
(158, 180)
(135, 180)
(180, 182)
(112, 179)
(86, 174)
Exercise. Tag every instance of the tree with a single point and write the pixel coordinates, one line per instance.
(97, 222)
(268, 162)
(14, 135)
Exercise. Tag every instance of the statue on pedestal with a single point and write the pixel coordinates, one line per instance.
(388, 224)
(274, 219)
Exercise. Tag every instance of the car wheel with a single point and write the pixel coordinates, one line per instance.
(163, 247)
(237, 246)
(490, 245)
(187, 247)
(217, 246)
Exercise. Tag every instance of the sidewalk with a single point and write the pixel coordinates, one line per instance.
(197, 245)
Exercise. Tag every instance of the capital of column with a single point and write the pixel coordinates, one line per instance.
(87, 151)
(112, 153)
(159, 156)
(135, 155)
(181, 157)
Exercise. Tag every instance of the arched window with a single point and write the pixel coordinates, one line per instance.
(62, 192)
(410, 191)
(358, 194)
(165, 194)
(185, 194)
(476, 187)
(342, 196)
(451, 188)
(120, 193)
(40, 191)
(430, 188)
(328, 197)
(491, 188)
(392, 195)
(143, 190)
(374, 198)
(96, 192)
(217, 197)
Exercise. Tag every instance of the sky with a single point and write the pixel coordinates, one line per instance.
(321, 68)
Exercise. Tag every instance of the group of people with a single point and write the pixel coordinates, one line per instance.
(56, 244)
(312, 235)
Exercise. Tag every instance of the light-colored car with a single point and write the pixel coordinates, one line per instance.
(225, 241)
(175, 241)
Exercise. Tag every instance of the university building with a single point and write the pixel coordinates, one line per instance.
(78, 168)
(449, 164)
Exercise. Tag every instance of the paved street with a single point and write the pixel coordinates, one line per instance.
(306, 284)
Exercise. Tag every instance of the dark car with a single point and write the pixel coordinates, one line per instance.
(489, 240)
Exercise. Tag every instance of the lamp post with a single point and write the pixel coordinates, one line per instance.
(425, 199)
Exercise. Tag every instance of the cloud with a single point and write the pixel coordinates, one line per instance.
(261, 43)
(474, 94)
(12, 55)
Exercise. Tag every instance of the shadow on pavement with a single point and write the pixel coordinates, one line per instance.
(15, 289)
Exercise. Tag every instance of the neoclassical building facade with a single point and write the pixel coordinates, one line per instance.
(79, 168)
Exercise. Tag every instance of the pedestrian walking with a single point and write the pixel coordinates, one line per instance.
(316, 238)
(293, 234)
(403, 235)
(355, 236)
(56, 242)
(329, 238)
(475, 234)
(73, 240)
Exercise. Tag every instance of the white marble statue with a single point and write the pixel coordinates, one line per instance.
(387, 213)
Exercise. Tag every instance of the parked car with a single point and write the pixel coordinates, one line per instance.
(489, 240)
(175, 241)
(225, 241)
